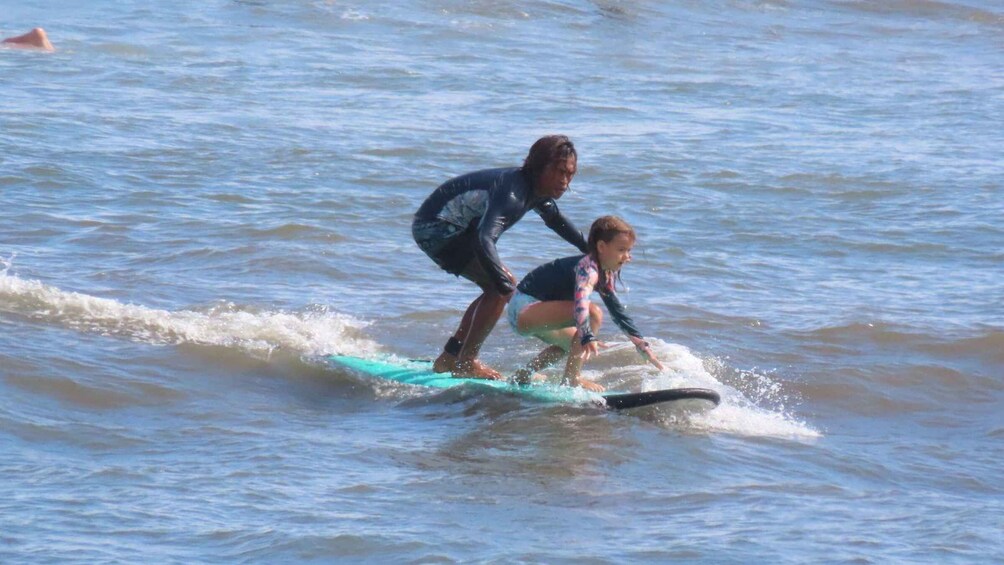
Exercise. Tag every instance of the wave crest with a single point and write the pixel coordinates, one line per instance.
(317, 331)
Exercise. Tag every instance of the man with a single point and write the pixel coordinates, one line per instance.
(459, 223)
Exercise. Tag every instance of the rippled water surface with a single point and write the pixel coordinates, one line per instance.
(198, 201)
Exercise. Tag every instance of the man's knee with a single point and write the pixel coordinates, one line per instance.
(512, 280)
(496, 297)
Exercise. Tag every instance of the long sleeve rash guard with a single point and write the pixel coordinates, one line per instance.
(496, 199)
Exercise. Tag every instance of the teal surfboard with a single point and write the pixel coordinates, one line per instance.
(420, 373)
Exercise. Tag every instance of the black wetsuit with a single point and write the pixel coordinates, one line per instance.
(481, 206)
(559, 279)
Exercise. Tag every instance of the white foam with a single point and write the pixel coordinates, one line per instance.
(738, 413)
(321, 331)
(354, 15)
(316, 332)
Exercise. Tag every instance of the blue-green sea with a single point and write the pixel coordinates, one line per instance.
(200, 200)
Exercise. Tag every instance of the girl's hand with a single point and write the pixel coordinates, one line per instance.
(590, 385)
(645, 350)
(592, 349)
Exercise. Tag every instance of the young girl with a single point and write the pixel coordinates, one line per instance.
(552, 303)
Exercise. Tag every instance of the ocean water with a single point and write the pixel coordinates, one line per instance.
(199, 200)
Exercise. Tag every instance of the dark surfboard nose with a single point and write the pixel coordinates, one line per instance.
(622, 401)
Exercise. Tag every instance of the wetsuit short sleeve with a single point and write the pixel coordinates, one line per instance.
(559, 224)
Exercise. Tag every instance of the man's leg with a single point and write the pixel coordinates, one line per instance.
(444, 245)
(447, 360)
(487, 309)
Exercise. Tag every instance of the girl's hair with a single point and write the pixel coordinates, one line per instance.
(546, 151)
(605, 229)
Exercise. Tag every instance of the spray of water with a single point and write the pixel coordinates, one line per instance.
(754, 404)
(317, 331)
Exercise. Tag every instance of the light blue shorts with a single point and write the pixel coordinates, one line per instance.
(517, 304)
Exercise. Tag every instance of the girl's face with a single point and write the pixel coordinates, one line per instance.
(616, 253)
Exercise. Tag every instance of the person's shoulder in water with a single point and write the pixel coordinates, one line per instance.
(34, 39)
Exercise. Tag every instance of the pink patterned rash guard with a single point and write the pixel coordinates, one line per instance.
(587, 275)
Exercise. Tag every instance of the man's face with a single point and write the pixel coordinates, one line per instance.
(556, 177)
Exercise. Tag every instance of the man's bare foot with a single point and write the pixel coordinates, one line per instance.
(445, 363)
(35, 38)
(475, 369)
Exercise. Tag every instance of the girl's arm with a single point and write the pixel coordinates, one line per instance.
(626, 324)
(619, 314)
(645, 350)
(586, 277)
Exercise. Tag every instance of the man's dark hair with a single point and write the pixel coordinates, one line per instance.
(546, 151)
